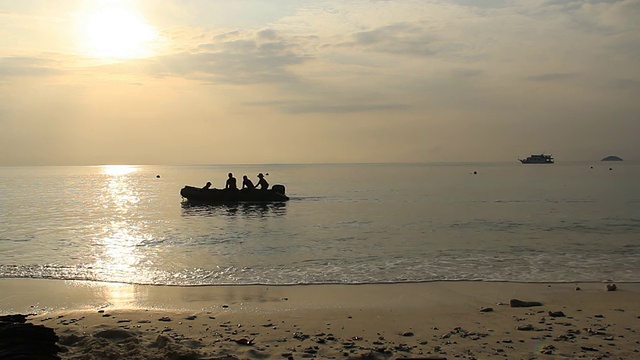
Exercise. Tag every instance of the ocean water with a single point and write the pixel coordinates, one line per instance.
(364, 223)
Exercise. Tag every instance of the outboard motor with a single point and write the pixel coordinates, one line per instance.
(278, 189)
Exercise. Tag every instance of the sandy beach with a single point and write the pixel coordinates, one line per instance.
(438, 320)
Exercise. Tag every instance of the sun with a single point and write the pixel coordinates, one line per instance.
(118, 33)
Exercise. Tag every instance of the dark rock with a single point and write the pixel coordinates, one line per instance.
(348, 344)
(21, 340)
(612, 158)
(586, 348)
(16, 318)
(486, 309)
(547, 350)
(525, 327)
(300, 336)
(521, 303)
(244, 341)
(612, 287)
(556, 314)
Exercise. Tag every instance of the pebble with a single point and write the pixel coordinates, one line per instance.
(521, 303)
(525, 327)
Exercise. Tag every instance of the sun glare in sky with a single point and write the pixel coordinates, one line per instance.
(115, 31)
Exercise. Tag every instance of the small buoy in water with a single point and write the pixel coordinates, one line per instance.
(158, 176)
(592, 167)
(475, 172)
(610, 168)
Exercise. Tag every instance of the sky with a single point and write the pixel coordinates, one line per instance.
(295, 81)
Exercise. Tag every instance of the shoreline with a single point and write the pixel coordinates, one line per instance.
(50, 295)
(363, 321)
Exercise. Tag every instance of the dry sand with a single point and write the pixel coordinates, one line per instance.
(439, 320)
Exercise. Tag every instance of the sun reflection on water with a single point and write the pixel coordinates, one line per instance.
(117, 170)
(119, 246)
(117, 257)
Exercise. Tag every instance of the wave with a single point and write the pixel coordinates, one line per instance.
(449, 266)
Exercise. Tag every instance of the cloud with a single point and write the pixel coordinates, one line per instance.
(483, 3)
(401, 38)
(551, 77)
(268, 34)
(606, 17)
(16, 66)
(626, 84)
(466, 73)
(307, 107)
(237, 58)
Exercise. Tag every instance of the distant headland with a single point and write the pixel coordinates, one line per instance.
(611, 158)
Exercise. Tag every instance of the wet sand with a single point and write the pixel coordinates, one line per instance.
(438, 320)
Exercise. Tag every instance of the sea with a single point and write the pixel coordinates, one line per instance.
(343, 224)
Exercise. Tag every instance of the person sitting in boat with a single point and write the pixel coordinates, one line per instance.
(247, 184)
(207, 186)
(231, 183)
(262, 183)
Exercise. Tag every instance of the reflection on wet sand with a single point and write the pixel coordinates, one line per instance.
(122, 295)
(234, 209)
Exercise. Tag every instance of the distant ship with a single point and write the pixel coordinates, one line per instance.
(538, 159)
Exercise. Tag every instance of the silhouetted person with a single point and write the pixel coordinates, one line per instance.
(207, 186)
(231, 183)
(262, 183)
(247, 184)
